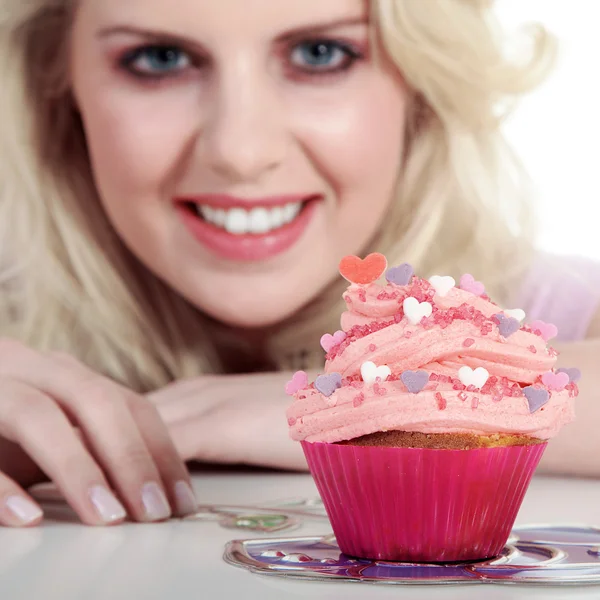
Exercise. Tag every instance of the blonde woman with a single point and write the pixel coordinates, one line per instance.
(177, 187)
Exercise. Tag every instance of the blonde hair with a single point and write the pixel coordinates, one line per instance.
(70, 284)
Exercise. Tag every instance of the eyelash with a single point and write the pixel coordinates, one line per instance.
(351, 54)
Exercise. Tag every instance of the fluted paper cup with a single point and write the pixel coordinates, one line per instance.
(422, 504)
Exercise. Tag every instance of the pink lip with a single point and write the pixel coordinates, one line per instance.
(248, 247)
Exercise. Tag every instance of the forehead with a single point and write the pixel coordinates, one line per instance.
(193, 16)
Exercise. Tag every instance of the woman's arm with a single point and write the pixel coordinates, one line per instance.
(576, 449)
(231, 419)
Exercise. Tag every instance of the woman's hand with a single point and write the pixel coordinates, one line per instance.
(231, 419)
(105, 447)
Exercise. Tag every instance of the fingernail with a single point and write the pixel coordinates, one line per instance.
(185, 499)
(25, 510)
(106, 505)
(155, 502)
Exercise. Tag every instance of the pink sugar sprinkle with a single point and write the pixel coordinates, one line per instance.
(468, 342)
(462, 396)
(444, 379)
(362, 295)
(434, 377)
(552, 352)
(471, 388)
(358, 400)
(381, 391)
(372, 347)
(441, 401)
(497, 397)
(532, 349)
(292, 421)
(474, 402)
(408, 334)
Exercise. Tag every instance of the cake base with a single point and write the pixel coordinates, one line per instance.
(440, 441)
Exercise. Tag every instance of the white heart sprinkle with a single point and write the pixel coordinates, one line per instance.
(477, 377)
(371, 372)
(442, 285)
(515, 313)
(415, 310)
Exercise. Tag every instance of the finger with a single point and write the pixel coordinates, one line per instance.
(100, 407)
(36, 423)
(17, 508)
(170, 465)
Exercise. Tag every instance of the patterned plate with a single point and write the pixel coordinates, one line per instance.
(538, 554)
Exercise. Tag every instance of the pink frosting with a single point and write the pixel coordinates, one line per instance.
(461, 331)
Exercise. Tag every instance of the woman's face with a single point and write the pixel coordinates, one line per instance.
(240, 147)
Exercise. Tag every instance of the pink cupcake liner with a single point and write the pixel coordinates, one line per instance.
(421, 504)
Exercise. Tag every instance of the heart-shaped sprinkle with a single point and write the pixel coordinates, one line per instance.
(573, 373)
(516, 313)
(327, 384)
(547, 330)
(555, 381)
(536, 397)
(298, 382)
(415, 311)
(329, 341)
(415, 381)
(476, 378)
(468, 283)
(370, 372)
(400, 275)
(363, 271)
(507, 325)
(442, 285)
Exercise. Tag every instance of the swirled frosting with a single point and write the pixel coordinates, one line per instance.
(522, 394)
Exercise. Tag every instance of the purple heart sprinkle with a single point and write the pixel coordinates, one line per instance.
(536, 397)
(507, 325)
(415, 381)
(400, 275)
(327, 384)
(573, 373)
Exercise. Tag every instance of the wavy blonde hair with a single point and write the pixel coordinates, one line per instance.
(70, 284)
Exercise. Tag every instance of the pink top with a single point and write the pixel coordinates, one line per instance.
(564, 290)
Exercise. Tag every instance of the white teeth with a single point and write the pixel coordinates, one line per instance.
(237, 221)
(277, 217)
(258, 221)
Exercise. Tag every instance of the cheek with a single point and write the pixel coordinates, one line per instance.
(358, 143)
(136, 140)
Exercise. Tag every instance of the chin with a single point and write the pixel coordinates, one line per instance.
(252, 316)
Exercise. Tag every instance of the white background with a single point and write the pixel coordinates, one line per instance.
(556, 130)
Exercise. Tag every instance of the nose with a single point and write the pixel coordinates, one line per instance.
(244, 136)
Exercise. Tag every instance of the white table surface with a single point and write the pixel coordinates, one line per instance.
(183, 560)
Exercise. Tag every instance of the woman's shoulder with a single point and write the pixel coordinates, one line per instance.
(564, 290)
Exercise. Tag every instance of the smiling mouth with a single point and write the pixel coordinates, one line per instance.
(259, 220)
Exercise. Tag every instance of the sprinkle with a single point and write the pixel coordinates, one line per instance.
(358, 400)
(468, 342)
(329, 341)
(474, 402)
(292, 421)
(468, 283)
(372, 347)
(327, 384)
(414, 381)
(363, 271)
(441, 401)
(536, 397)
(415, 311)
(555, 381)
(298, 381)
(476, 377)
(408, 334)
(532, 349)
(442, 285)
(462, 396)
(370, 372)
(400, 275)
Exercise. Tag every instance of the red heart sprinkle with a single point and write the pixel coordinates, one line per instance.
(363, 271)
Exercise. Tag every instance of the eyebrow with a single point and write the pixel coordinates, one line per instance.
(292, 34)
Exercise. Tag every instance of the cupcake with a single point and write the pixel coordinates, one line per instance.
(433, 411)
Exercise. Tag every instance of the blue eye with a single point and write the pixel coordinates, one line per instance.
(157, 60)
(323, 56)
